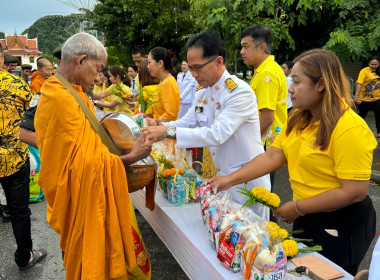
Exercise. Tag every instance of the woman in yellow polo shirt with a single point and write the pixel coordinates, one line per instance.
(149, 86)
(329, 149)
(367, 93)
(160, 64)
(115, 103)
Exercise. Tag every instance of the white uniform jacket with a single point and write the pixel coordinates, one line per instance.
(134, 86)
(187, 85)
(225, 118)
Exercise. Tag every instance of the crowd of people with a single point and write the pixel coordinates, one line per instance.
(300, 113)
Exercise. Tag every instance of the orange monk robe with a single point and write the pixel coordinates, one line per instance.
(87, 193)
(37, 82)
(168, 95)
(34, 74)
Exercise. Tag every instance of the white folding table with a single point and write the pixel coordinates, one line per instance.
(183, 232)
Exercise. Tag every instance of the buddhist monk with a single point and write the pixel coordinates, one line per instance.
(45, 71)
(84, 184)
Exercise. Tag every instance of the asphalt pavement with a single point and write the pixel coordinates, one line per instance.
(164, 266)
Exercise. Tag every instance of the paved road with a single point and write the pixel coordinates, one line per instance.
(164, 266)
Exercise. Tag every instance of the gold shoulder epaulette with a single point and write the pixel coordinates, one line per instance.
(198, 87)
(230, 84)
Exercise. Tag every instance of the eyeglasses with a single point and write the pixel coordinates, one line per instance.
(198, 68)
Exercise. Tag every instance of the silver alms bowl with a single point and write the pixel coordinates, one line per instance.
(124, 130)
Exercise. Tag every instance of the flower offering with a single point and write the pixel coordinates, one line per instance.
(118, 91)
(262, 196)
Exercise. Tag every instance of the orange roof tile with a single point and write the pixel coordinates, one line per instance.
(32, 44)
(28, 46)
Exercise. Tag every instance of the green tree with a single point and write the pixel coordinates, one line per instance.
(127, 23)
(350, 28)
(357, 34)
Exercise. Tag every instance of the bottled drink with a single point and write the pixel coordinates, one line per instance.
(179, 192)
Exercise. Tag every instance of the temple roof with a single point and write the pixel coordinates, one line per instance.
(20, 45)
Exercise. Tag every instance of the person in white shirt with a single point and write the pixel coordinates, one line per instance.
(223, 115)
(132, 73)
(287, 68)
(187, 85)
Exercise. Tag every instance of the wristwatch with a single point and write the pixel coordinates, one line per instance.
(170, 132)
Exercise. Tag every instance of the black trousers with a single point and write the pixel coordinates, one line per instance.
(356, 227)
(16, 189)
(364, 108)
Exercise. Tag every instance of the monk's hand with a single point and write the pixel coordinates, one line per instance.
(155, 133)
(142, 148)
(287, 213)
(220, 183)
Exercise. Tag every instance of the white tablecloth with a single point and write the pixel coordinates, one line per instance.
(183, 232)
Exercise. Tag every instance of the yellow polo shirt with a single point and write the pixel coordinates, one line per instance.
(269, 84)
(348, 156)
(370, 81)
(99, 89)
(123, 107)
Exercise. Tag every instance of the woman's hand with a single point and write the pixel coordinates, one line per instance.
(356, 100)
(220, 183)
(152, 122)
(287, 213)
(99, 104)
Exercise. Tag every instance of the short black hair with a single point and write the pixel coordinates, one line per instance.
(373, 58)
(1, 49)
(107, 75)
(290, 64)
(210, 42)
(167, 56)
(133, 66)
(140, 49)
(259, 34)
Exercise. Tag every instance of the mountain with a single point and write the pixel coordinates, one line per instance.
(53, 30)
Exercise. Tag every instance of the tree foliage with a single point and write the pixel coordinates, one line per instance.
(350, 28)
(357, 32)
(127, 23)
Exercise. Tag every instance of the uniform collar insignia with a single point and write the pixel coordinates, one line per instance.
(198, 87)
(231, 85)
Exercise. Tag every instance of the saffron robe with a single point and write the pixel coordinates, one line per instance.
(37, 82)
(87, 192)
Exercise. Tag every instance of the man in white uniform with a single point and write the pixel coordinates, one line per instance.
(132, 73)
(187, 85)
(223, 115)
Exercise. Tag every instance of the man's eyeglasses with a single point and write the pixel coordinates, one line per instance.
(198, 68)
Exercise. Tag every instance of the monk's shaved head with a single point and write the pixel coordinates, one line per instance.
(43, 62)
(44, 67)
(83, 44)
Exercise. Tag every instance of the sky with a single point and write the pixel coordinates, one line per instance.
(18, 15)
